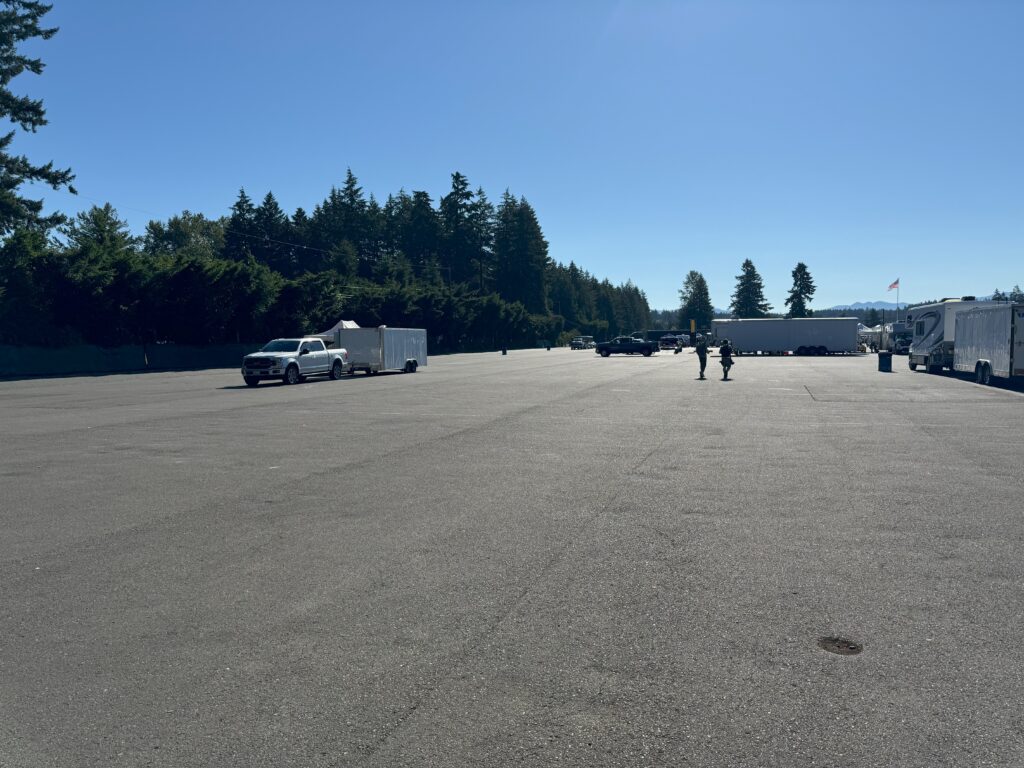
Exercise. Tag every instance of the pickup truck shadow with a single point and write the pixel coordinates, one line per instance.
(274, 383)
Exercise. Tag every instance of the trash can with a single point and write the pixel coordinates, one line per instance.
(885, 362)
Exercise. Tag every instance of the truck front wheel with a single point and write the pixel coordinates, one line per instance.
(337, 370)
(605, 353)
(252, 381)
(291, 375)
(647, 353)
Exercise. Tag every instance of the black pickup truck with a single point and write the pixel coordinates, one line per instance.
(627, 345)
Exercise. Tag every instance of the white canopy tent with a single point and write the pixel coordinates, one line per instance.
(328, 335)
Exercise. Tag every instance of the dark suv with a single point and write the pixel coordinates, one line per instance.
(627, 345)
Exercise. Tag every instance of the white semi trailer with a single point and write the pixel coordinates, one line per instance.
(373, 350)
(779, 335)
(990, 342)
(935, 332)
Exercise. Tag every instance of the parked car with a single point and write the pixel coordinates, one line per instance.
(627, 345)
(583, 342)
(292, 360)
(668, 341)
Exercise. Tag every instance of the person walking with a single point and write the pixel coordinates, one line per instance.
(702, 354)
(726, 352)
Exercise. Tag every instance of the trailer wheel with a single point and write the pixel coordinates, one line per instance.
(986, 374)
(410, 366)
(912, 364)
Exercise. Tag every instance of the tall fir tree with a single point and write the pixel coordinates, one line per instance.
(20, 22)
(457, 246)
(801, 292)
(273, 245)
(241, 231)
(520, 254)
(748, 301)
(695, 302)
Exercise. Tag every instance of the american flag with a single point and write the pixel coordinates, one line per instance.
(895, 284)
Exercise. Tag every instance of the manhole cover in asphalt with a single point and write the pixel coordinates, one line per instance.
(840, 645)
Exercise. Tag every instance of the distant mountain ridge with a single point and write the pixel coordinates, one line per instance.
(888, 304)
(869, 305)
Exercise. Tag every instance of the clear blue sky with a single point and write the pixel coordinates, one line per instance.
(870, 139)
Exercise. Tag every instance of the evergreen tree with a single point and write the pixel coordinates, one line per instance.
(457, 249)
(998, 295)
(272, 245)
(481, 221)
(748, 301)
(521, 254)
(19, 22)
(103, 287)
(241, 230)
(801, 292)
(1017, 295)
(186, 234)
(695, 301)
(26, 295)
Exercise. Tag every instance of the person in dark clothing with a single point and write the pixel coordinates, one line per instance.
(726, 352)
(702, 354)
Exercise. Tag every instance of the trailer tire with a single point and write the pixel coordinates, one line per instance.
(986, 375)
(337, 370)
(912, 364)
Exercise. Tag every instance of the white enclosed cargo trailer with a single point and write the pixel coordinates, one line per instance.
(990, 342)
(779, 335)
(372, 350)
(935, 332)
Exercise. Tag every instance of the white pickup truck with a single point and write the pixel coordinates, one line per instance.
(292, 360)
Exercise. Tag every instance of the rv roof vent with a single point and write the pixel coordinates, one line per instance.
(968, 298)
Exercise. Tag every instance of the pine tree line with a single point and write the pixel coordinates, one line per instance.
(475, 275)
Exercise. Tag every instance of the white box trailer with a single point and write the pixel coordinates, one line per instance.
(990, 342)
(779, 335)
(935, 332)
(373, 350)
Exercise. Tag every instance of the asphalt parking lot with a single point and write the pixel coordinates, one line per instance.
(545, 558)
